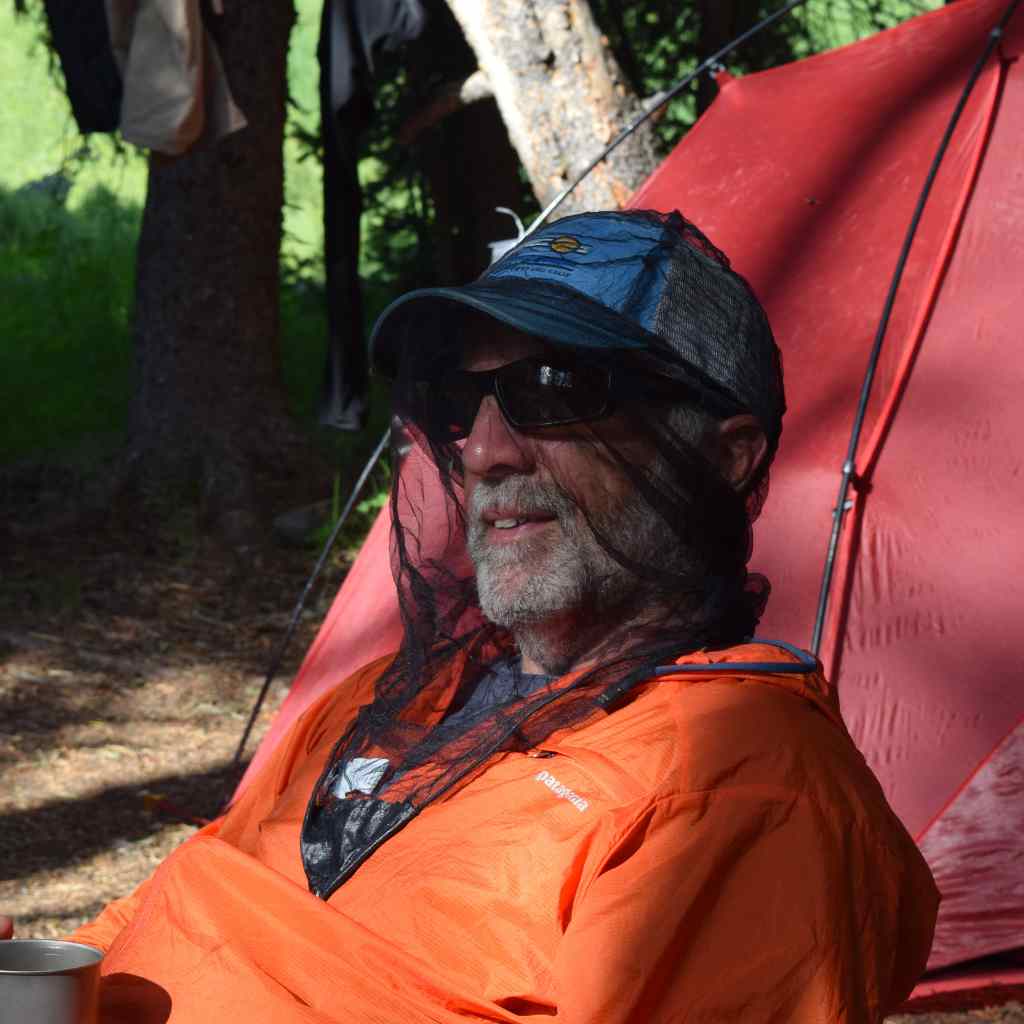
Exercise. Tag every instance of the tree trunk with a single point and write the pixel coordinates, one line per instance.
(467, 192)
(562, 95)
(209, 405)
(485, 171)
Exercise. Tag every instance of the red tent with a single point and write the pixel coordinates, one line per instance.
(807, 175)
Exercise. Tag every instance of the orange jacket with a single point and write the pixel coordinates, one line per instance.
(714, 850)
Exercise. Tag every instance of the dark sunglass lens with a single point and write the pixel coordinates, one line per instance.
(535, 393)
(448, 406)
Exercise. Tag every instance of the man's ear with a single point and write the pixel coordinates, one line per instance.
(741, 449)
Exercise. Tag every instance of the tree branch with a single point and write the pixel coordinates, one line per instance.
(448, 99)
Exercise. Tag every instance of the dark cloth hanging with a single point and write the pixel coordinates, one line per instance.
(350, 31)
(81, 38)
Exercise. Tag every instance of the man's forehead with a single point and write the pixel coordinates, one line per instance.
(485, 343)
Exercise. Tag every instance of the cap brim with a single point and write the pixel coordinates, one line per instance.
(543, 309)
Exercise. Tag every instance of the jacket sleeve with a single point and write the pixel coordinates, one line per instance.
(240, 824)
(743, 905)
(242, 819)
(104, 929)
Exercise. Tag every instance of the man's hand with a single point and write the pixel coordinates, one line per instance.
(6, 927)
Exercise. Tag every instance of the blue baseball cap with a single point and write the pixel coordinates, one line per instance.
(614, 281)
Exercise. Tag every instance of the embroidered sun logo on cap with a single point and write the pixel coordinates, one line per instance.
(564, 244)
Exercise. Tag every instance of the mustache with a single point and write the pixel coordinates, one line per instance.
(525, 496)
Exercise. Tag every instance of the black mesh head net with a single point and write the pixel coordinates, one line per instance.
(563, 414)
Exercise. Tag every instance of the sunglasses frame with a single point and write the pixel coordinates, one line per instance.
(488, 382)
(621, 382)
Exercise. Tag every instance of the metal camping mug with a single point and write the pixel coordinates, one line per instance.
(47, 981)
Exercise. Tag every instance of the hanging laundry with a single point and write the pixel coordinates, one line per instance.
(81, 38)
(148, 68)
(350, 32)
(175, 89)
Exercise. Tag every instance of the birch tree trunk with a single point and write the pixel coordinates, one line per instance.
(562, 96)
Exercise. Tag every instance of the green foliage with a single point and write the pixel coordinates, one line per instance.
(363, 513)
(69, 220)
(66, 286)
(67, 243)
(66, 280)
(69, 215)
(396, 221)
(303, 241)
(659, 42)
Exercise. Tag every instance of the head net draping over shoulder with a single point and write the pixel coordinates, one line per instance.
(651, 299)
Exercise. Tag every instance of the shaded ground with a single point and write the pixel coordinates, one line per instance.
(128, 664)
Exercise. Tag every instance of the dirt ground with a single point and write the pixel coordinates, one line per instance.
(129, 661)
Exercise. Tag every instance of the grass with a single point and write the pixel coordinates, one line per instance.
(65, 300)
(66, 284)
(70, 209)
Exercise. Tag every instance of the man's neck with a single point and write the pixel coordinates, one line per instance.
(571, 642)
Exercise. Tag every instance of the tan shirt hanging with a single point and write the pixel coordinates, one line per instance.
(175, 90)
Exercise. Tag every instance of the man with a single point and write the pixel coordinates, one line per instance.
(579, 790)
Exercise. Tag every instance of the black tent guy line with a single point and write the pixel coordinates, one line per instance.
(667, 97)
(275, 662)
(849, 477)
(706, 65)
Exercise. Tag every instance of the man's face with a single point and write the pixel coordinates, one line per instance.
(529, 496)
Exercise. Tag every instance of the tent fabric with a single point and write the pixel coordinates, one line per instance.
(718, 820)
(807, 175)
(991, 981)
(921, 633)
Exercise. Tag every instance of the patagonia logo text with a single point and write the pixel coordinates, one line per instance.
(561, 790)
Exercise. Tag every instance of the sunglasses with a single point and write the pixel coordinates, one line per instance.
(531, 393)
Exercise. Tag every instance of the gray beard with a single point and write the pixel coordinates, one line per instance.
(568, 574)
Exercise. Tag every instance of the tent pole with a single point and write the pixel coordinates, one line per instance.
(849, 475)
(275, 662)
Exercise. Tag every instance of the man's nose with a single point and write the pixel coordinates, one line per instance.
(493, 448)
